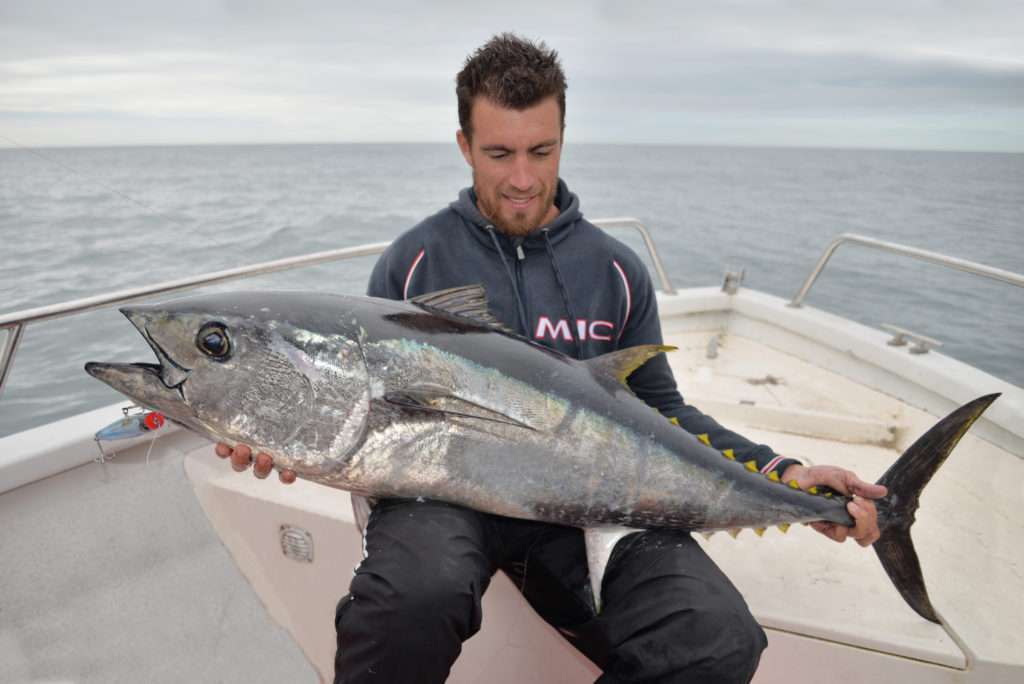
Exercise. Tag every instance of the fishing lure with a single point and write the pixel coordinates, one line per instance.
(135, 422)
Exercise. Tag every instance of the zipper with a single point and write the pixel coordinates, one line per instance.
(515, 276)
(521, 282)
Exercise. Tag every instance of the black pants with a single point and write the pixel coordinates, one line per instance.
(669, 614)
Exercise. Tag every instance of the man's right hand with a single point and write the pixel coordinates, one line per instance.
(241, 457)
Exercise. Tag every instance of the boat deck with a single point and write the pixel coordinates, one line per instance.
(111, 573)
(800, 583)
(122, 553)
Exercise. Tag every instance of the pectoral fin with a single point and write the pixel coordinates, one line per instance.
(422, 395)
(600, 543)
(438, 399)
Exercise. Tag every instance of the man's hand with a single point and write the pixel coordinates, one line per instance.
(241, 457)
(865, 529)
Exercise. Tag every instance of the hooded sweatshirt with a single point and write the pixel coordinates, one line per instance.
(567, 285)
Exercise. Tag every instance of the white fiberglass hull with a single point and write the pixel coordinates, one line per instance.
(124, 540)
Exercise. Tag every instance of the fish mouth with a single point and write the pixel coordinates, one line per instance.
(97, 368)
(142, 382)
(172, 374)
(159, 386)
(115, 374)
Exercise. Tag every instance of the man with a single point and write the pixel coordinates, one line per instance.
(668, 614)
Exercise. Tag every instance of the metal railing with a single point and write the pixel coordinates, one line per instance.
(16, 322)
(896, 248)
(659, 268)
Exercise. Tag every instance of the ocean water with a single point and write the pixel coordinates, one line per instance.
(78, 222)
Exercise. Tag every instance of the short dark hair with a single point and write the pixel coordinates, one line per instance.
(512, 72)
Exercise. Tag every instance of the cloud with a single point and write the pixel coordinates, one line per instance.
(744, 73)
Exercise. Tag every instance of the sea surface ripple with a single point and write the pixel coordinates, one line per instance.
(84, 221)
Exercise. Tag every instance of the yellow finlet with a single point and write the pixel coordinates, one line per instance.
(620, 364)
(773, 476)
(735, 532)
(812, 489)
(729, 454)
(704, 438)
(783, 527)
(759, 531)
(828, 495)
(793, 484)
(751, 465)
(674, 421)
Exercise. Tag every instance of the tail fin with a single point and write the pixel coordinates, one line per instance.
(905, 480)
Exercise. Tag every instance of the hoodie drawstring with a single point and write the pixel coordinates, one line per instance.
(512, 279)
(573, 333)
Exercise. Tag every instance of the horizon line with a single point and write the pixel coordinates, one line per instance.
(14, 145)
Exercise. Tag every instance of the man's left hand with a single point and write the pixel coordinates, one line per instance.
(862, 508)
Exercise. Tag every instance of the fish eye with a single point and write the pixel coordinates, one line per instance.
(213, 341)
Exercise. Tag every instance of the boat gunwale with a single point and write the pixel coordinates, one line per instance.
(932, 382)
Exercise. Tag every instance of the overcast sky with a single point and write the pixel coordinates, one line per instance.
(904, 74)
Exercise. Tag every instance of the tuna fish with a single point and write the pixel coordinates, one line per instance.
(432, 398)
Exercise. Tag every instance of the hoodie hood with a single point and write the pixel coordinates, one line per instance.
(568, 214)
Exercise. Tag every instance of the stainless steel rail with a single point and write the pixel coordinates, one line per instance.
(922, 254)
(15, 323)
(78, 306)
(659, 268)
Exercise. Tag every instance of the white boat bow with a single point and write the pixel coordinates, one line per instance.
(814, 385)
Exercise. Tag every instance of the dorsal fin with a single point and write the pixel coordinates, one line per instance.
(467, 301)
(620, 364)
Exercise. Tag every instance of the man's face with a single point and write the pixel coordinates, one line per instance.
(514, 155)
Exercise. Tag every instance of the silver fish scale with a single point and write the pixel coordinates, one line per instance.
(619, 477)
(401, 456)
(401, 364)
(385, 398)
(305, 399)
(316, 379)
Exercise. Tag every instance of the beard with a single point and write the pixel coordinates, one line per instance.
(514, 223)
